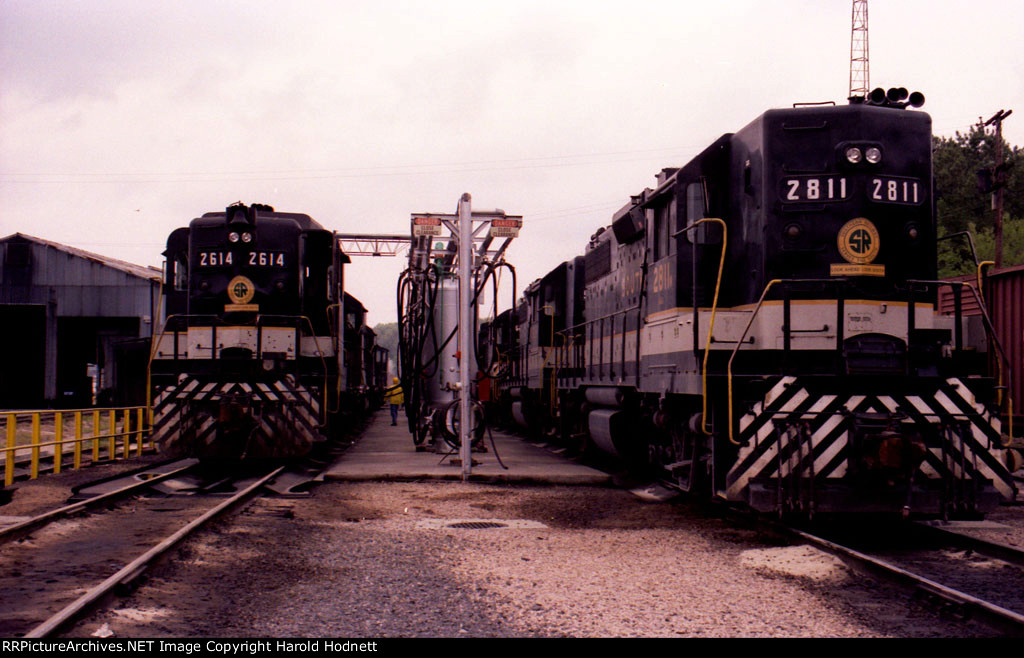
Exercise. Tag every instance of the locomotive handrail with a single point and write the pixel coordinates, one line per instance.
(587, 323)
(714, 309)
(990, 330)
(603, 317)
(728, 369)
(337, 342)
(750, 322)
(911, 282)
(981, 291)
(970, 241)
(259, 324)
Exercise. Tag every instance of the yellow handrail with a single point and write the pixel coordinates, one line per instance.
(999, 364)
(979, 295)
(981, 292)
(711, 328)
(739, 343)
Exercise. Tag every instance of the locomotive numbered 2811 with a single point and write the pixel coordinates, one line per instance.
(762, 327)
(264, 354)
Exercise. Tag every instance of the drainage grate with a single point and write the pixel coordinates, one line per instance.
(476, 525)
(479, 524)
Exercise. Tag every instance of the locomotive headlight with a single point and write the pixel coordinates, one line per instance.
(853, 155)
(873, 155)
(793, 231)
(204, 285)
(247, 237)
(232, 236)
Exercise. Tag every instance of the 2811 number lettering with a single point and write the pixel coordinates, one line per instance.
(895, 190)
(828, 188)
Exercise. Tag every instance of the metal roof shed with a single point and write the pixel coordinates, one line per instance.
(63, 312)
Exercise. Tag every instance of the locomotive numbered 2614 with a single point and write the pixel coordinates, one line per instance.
(264, 355)
(761, 326)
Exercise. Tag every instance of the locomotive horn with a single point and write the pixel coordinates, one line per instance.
(877, 96)
(916, 99)
(238, 213)
(893, 95)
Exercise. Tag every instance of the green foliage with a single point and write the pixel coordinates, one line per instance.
(387, 336)
(953, 263)
(961, 206)
(1013, 242)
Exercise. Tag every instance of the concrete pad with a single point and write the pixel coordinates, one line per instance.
(386, 452)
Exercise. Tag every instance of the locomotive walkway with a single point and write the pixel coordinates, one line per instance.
(386, 452)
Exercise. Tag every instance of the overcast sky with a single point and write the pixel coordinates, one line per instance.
(122, 120)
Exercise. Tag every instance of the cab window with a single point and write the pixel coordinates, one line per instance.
(696, 209)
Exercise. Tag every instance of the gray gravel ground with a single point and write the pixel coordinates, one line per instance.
(376, 560)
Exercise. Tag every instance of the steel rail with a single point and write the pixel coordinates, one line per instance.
(994, 549)
(19, 529)
(1006, 620)
(137, 566)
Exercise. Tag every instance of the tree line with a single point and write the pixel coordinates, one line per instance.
(965, 180)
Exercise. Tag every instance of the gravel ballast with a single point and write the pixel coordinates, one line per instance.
(377, 559)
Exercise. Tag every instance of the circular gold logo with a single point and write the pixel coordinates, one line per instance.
(241, 290)
(858, 241)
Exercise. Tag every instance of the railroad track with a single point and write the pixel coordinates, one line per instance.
(62, 571)
(997, 550)
(23, 465)
(129, 484)
(989, 591)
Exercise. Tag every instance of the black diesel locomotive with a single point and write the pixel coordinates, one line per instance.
(264, 354)
(761, 326)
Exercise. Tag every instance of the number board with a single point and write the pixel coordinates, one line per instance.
(882, 189)
(252, 259)
(815, 189)
(216, 258)
(892, 189)
(265, 259)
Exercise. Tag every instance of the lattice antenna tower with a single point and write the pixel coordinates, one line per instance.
(859, 77)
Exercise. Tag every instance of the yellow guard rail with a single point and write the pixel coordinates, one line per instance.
(110, 430)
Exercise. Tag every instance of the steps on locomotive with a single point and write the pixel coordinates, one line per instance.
(386, 452)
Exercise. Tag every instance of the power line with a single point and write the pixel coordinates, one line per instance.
(584, 159)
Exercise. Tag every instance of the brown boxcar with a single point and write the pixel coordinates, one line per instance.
(1004, 297)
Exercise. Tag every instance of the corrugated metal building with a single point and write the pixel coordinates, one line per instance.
(65, 314)
(1004, 297)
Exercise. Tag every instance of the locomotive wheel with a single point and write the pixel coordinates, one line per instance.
(573, 436)
(686, 460)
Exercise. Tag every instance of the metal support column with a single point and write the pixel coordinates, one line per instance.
(466, 310)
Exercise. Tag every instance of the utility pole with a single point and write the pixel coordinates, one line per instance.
(859, 71)
(998, 181)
